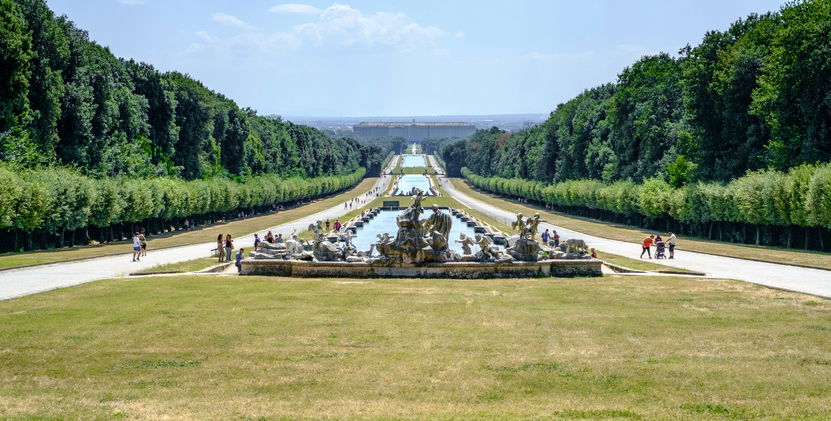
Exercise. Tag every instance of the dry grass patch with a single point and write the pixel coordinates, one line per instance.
(196, 347)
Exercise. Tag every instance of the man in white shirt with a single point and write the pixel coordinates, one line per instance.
(671, 242)
(136, 248)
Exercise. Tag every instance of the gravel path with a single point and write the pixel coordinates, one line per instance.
(20, 282)
(792, 278)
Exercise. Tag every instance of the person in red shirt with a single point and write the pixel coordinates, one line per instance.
(647, 243)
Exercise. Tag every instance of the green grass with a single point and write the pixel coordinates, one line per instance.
(197, 347)
(180, 238)
(194, 265)
(636, 234)
(638, 264)
(413, 170)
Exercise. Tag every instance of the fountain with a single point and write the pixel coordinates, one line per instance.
(422, 248)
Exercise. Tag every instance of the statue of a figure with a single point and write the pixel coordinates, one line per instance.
(418, 197)
(439, 222)
(533, 225)
(520, 226)
(488, 253)
(466, 242)
(516, 225)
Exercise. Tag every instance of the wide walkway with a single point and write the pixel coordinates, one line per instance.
(20, 282)
(792, 278)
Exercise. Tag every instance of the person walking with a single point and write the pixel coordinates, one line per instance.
(143, 242)
(647, 243)
(671, 242)
(256, 242)
(229, 247)
(136, 247)
(220, 248)
(545, 237)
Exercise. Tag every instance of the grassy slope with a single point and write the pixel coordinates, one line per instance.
(249, 347)
(205, 234)
(635, 234)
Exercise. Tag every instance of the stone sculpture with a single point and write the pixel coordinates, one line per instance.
(466, 242)
(417, 241)
(525, 247)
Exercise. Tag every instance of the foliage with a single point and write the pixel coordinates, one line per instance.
(752, 97)
(67, 101)
(800, 197)
(58, 199)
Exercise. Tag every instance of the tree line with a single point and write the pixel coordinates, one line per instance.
(54, 207)
(750, 98)
(68, 101)
(790, 209)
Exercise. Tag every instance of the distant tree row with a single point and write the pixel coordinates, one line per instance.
(53, 207)
(67, 101)
(755, 96)
(763, 207)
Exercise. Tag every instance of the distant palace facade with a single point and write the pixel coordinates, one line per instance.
(414, 131)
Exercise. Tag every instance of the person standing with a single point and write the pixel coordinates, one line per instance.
(327, 225)
(556, 238)
(545, 237)
(671, 242)
(220, 248)
(229, 247)
(647, 243)
(143, 242)
(256, 242)
(136, 247)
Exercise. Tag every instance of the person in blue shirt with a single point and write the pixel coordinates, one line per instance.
(545, 236)
(240, 256)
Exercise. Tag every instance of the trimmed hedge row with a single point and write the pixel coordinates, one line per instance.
(799, 198)
(54, 200)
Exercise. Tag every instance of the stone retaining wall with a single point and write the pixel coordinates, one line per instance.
(453, 270)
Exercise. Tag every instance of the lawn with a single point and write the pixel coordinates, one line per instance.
(194, 265)
(204, 234)
(197, 347)
(636, 234)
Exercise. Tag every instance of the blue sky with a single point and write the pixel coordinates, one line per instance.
(396, 58)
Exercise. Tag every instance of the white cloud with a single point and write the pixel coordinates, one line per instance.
(295, 8)
(231, 20)
(337, 27)
(132, 2)
(343, 25)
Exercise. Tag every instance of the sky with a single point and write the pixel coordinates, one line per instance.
(400, 58)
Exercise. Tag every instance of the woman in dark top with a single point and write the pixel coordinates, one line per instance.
(229, 245)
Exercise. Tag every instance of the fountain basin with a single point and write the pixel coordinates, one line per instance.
(452, 270)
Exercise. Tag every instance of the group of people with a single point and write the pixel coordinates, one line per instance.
(550, 239)
(139, 246)
(660, 246)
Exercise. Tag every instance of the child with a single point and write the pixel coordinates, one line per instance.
(240, 256)
(256, 242)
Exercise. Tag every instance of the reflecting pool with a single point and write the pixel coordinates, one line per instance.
(413, 161)
(406, 183)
